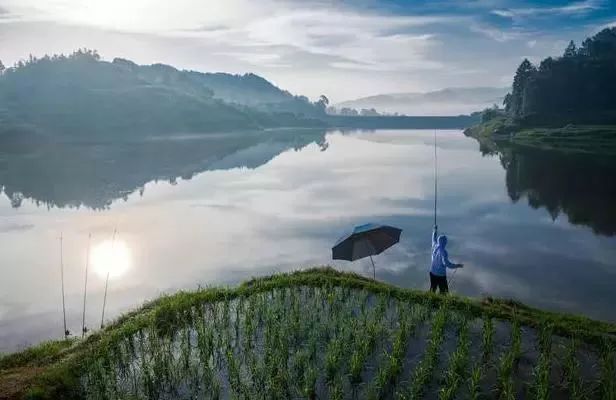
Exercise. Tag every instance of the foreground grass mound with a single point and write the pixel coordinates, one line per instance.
(325, 334)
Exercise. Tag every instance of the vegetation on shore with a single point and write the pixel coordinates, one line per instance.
(566, 103)
(321, 333)
(497, 128)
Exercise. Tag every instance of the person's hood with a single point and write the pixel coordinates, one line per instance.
(442, 241)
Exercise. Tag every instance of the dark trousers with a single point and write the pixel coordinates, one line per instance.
(440, 281)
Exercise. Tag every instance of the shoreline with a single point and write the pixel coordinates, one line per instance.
(575, 139)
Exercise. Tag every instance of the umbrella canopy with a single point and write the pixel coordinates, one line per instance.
(365, 241)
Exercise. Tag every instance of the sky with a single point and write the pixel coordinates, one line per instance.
(343, 49)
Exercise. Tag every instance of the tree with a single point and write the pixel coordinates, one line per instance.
(368, 112)
(522, 76)
(571, 50)
(579, 87)
(322, 103)
(2, 67)
(349, 112)
(602, 45)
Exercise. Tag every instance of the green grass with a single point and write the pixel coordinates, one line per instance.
(578, 139)
(304, 334)
(36, 356)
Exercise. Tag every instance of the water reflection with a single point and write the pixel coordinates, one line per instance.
(581, 186)
(110, 258)
(95, 174)
(259, 203)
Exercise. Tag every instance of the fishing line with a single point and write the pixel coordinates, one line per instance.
(435, 177)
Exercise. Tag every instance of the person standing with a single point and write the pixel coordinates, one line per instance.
(440, 263)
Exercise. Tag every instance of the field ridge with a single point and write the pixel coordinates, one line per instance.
(270, 309)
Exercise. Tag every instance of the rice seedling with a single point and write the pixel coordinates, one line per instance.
(607, 384)
(365, 344)
(506, 364)
(541, 385)
(487, 339)
(474, 381)
(391, 365)
(423, 372)
(456, 371)
(571, 370)
(478, 370)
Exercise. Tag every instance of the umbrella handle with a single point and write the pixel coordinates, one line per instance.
(373, 268)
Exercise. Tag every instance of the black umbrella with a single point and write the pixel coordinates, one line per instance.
(366, 241)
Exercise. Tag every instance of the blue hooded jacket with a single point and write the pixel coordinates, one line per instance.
(440, 258)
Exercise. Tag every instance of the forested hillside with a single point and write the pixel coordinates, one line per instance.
(579, 87)
(80, 95)
(241, 90)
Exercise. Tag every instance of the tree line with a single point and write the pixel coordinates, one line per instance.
(80, 95)
(578, 87)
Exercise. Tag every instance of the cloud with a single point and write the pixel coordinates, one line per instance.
(270, 60)
(358, 39)
(500, 35)
(581, 7)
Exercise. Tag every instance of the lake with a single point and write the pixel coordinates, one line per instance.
(196, 210)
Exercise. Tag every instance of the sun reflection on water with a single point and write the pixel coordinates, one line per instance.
(111, 257)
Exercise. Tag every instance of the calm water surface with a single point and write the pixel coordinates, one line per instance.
(197, 211)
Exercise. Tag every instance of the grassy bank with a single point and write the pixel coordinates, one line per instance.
(583, 139)
(326, 334)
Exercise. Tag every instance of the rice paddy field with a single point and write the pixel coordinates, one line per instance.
(322, 334)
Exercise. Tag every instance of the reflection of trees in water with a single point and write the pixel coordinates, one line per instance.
(94, 175)
(581, 186)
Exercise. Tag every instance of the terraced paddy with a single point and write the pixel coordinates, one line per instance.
(321, 334)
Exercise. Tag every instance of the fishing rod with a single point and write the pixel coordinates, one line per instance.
(84, 329)
(66, 332)
(107, 281)
(453, 275)
(435, 177)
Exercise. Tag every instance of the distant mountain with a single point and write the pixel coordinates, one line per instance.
(246, 90)
(449, 101)
(80, 95)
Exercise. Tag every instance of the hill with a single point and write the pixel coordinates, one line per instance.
(81, 95)
(323, 334)
(449, 101)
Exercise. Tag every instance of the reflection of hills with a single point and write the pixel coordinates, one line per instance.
(583, 187)
(94, 175)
